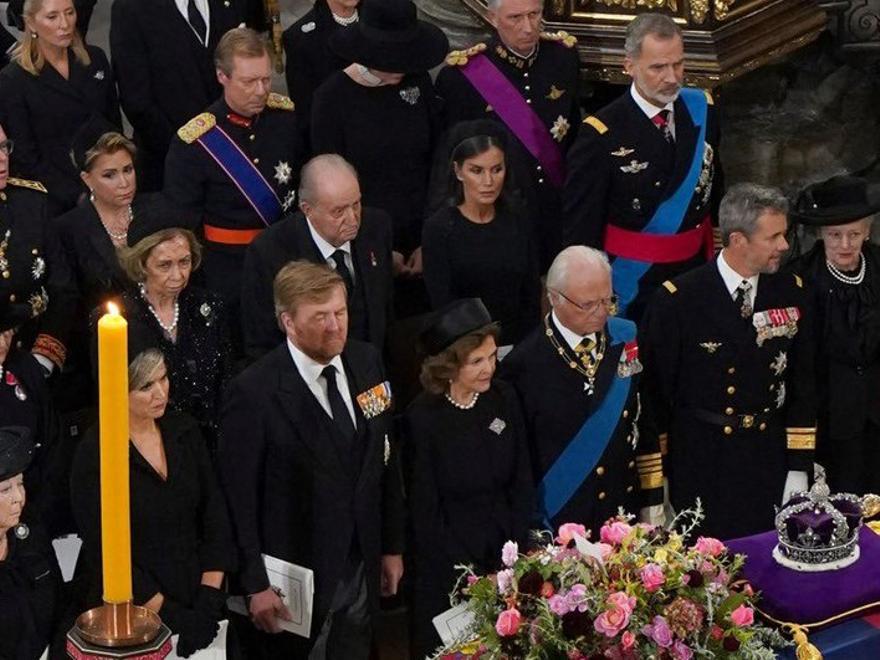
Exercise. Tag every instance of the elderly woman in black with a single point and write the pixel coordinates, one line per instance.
(54, 84)
(479, 245)
(843, 272)
(185, 321)
(390, 138)
(469, 474)
(29, 575)
(181, 543)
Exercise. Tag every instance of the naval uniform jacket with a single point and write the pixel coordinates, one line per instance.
(556, 405)
(548, 81)
(44, 112)
(737, 415)
(621, 168)
(166, 75)
(369, 305)
(296, 489)
(34, 271)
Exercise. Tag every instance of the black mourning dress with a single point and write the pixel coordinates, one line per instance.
(199, 362)
(179, 525)
(493, 261)
(387, 133)
(471, 490)
(29, 589)
(847, 369)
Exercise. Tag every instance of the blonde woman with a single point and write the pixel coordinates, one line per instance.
(54, 84)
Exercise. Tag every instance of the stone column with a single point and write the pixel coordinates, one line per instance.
(463, 27)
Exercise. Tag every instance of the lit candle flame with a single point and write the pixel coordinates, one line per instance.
(112, 308)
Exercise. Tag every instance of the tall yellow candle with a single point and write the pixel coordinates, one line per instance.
(113, 420)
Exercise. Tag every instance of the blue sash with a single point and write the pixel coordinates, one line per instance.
(243, 173)
(667, 219)
(578, 459)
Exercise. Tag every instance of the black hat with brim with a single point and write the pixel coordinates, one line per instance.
(836, 201)
(16, 451)
(389, 37)
(452, 322)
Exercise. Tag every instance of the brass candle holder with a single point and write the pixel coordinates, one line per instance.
(118, 630)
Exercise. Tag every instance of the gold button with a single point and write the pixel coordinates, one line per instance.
(731, 389)
(602, 495)
(728, 430)
(256, 161)
(252, 137)
(5, 274)
(600, 470)
(11, 297)
(35, 251)
(732, 370)
(631, 465)
(762, 425)
(625, 414)
(629, 489)
(728, 411)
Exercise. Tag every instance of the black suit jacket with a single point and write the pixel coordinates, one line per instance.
(165, 75)
(292, 493)
(290, 239)
(43, 113)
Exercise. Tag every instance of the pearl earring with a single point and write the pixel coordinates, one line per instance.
(91, 196)
(33, 35)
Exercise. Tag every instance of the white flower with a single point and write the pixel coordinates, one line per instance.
(509, 553)
(505, 580)
(560, 128)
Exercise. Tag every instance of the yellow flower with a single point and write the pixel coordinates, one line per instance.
(675, 543)
(661, 556)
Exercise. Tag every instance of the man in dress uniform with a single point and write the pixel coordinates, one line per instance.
(236, 165)
(162, 55)
(643, 177)
(309, 471)
(331, 228)
(527, 80)
(577, 380)
(728, 387)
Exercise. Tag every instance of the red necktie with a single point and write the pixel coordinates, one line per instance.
(661, 121)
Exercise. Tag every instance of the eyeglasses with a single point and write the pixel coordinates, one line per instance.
(590, 307)
(6, 146)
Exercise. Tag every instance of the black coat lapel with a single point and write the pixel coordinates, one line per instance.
(685, 141)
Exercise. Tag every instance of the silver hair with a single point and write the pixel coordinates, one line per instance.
(742, 206)
(493, 5)
(581, 254)
(659, 25)
(308, 176)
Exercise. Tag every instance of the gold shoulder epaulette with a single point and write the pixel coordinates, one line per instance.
(27, 183)
(596, 123)
(709, 98)
(563, 37)
(460, 57)
(196, 127)
(669, 286)
(279, 102)
(797, 278)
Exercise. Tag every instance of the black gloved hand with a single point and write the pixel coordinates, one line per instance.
(211, 601)
(196, 629)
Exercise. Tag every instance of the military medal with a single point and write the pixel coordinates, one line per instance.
(710, 346)
(777, 322)
(780, 395)
(560, 128)
(779, 363)
(623, 152)
(410, 95)
(629, 364)
(283, 172)
(289, 199)
(634, 167)
(12, 381)
(375, 400)
(386, 450)
(373, 261)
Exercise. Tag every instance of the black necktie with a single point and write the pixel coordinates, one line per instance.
(196, 20)
(741, 297)
(339, 259)
(337, 406)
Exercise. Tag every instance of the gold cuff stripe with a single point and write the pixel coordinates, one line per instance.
(649, 481)
(800, 429)
(802, 441)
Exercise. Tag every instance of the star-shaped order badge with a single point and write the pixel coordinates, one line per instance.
(283, 172)
(289, 199)
(560, 128)
(779, 363)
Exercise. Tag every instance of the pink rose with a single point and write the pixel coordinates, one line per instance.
(559, 605)
(742, 616)
(505, 580)
(471, 579)
(708, 546)
(681, 651)
(716, 632)
(627, 640)
(614, 533)
(652, 577)
(567, 532)
(616, 617)
(509, 553)
(508, 622)
(659, 631)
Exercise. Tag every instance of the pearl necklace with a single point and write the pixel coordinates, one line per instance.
(848, 279)
(463, 406)
(169, 329)
(341, 20)
(123, 235)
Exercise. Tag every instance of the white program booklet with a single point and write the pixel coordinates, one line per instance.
(297, 587)
(453, 624)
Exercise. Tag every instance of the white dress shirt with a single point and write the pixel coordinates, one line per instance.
(732, 279)
(204, 10)
(652, 110)
(311, 374)
(327, 250)
(572, 338)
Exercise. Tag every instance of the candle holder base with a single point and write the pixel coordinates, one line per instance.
(119, 630)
